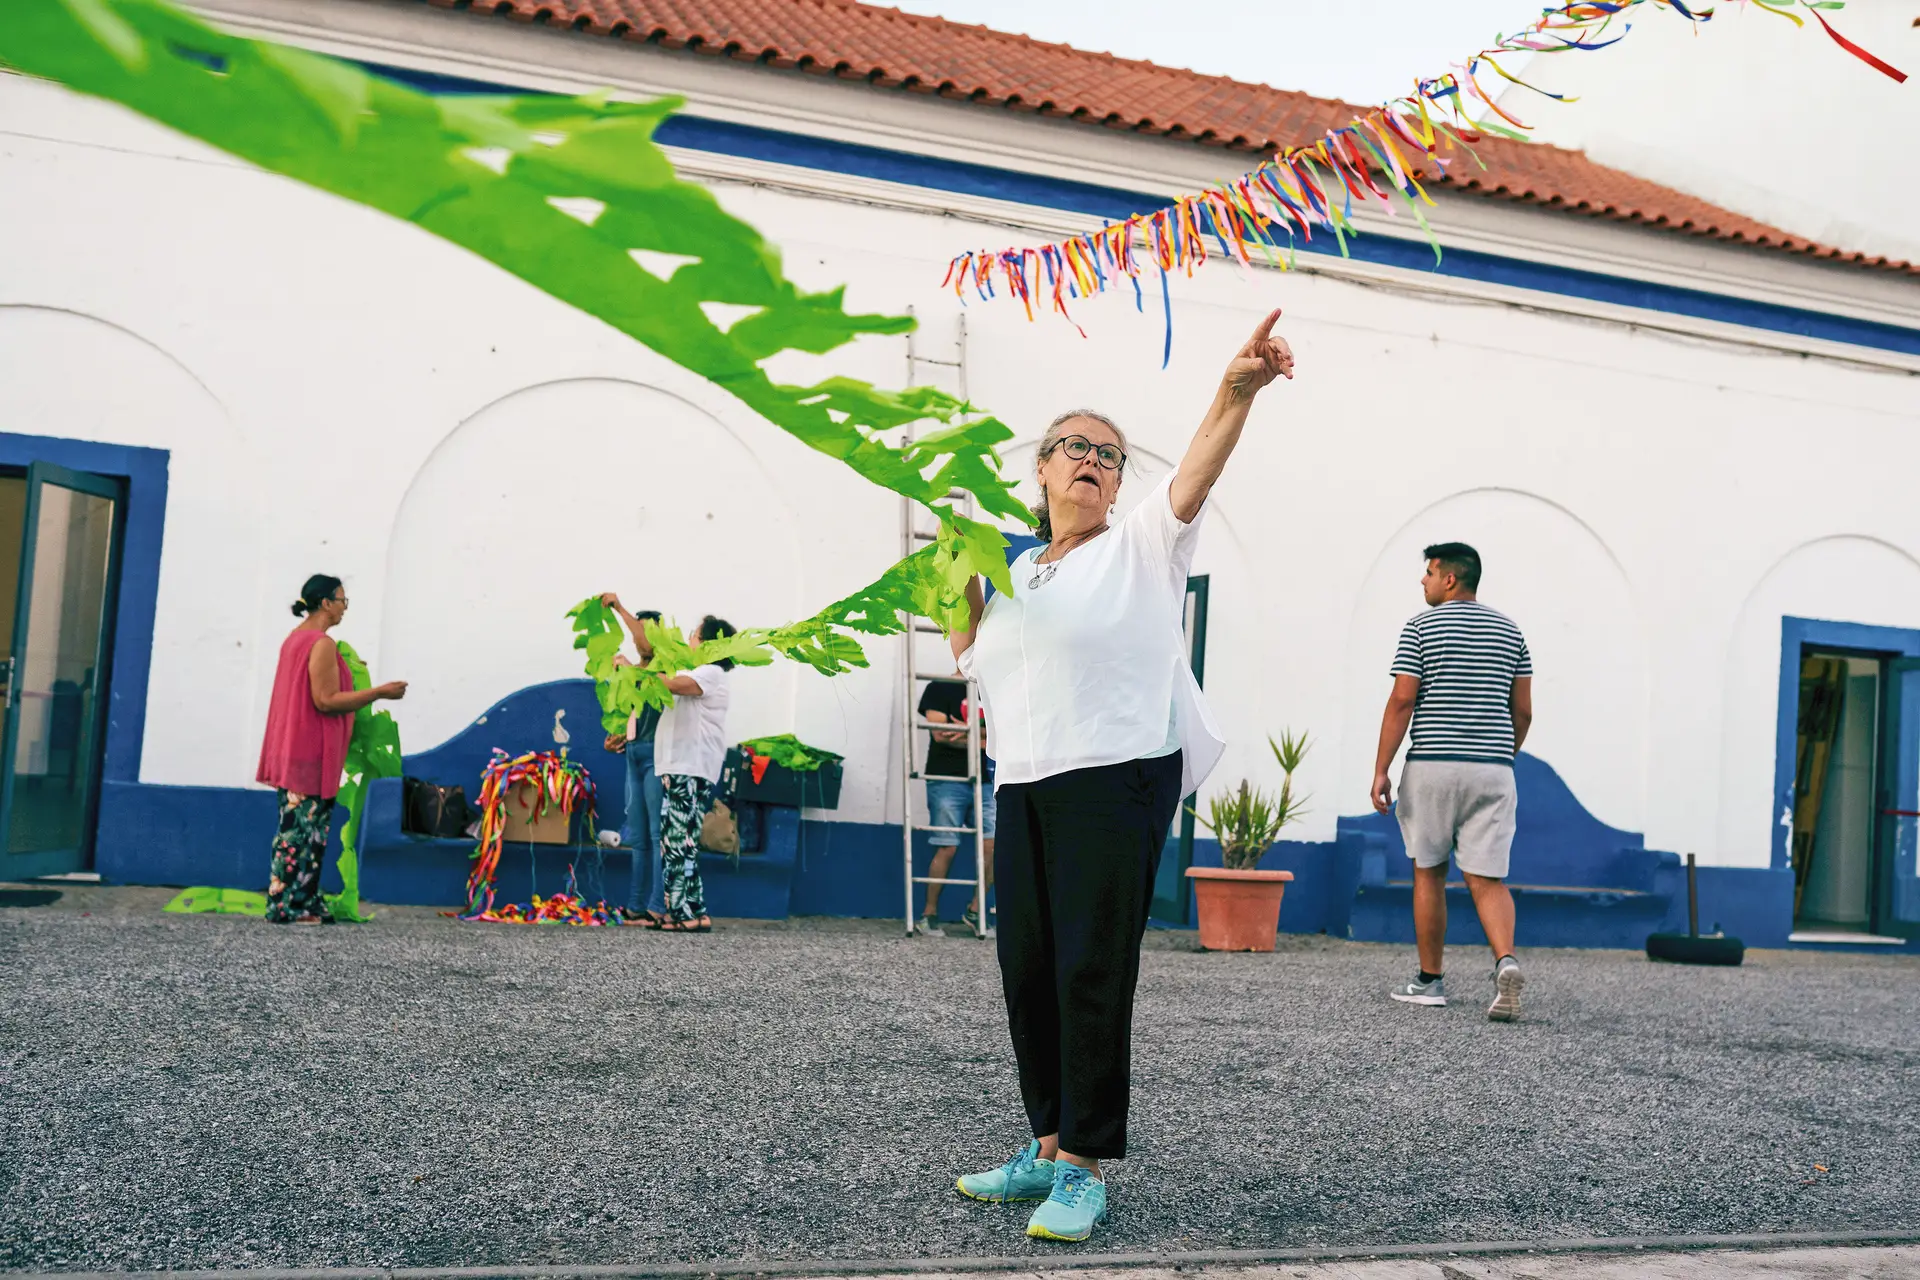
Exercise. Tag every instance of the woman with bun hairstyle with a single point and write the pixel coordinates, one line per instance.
(309, 723)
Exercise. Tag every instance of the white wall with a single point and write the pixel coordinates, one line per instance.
(1590, 661)
(343, 393)
(1753, 114)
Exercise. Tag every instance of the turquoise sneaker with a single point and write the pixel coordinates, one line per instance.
(1025, 1177)
(1078, 1203)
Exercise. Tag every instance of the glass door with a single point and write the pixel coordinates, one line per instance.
(1170, 885)
(1900, 803)
(55, 676)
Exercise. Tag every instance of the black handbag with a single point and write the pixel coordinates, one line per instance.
(433, 810)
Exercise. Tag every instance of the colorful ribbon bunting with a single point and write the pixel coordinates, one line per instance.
(559, 783)
(1262, 209)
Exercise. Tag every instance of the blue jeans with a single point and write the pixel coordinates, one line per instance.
(641, 831)
(950, 804)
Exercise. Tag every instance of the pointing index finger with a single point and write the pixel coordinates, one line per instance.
(1265, 327)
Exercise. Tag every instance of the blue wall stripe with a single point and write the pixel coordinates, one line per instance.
(750, 142)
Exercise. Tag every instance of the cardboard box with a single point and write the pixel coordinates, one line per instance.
(549, 828)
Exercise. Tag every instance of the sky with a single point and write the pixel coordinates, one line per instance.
(1363, 51)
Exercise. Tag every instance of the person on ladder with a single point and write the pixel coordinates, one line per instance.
(949, 777)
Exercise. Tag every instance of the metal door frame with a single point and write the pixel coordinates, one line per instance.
(1198, 586)
(40, 474)
(1884, 899)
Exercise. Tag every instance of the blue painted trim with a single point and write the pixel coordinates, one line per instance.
(145, 474)
(828, 155)
(220, 836)
(1796, 634)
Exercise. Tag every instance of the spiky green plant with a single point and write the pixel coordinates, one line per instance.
(1247, 821)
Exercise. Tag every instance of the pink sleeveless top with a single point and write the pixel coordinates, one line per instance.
(305, 749)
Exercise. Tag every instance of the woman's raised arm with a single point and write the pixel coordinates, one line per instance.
(1259, 362)
(976, 605)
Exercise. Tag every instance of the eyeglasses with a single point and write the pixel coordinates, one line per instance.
(1078, 447)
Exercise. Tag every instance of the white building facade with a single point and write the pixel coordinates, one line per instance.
(1685, 463)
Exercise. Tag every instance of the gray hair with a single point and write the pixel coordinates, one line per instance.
(1049, 441)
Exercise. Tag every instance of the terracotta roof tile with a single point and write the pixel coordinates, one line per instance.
(891, 49)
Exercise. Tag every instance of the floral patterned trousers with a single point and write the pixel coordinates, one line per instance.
(294, 888)
(687, 800)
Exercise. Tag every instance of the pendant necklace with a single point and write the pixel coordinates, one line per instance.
(1043, 574)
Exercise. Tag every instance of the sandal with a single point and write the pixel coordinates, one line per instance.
(678, 926)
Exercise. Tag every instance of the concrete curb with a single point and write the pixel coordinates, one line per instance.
(1036, 1262)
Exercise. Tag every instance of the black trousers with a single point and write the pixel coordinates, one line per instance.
(1074, 869)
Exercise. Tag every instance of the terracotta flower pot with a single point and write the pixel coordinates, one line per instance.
(1239, 910)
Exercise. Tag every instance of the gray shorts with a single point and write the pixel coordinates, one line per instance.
(1461, 808)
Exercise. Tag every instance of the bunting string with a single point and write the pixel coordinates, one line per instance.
(1379, 155)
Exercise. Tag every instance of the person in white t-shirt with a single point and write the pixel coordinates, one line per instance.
(689, 750)
(1099, 729)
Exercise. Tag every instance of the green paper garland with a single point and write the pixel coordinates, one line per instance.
(789, 752)
(929, 583)
(569, 194)
(372, 752)
(573, 196)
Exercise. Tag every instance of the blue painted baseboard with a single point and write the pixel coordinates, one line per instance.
(1577, 882)
(854, 869)
(220, 835)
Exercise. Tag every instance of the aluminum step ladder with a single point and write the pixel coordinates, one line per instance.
(921, 641)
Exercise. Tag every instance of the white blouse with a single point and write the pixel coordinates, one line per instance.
(692, 735)
(1089, 667)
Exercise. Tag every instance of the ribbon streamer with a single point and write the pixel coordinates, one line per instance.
(559, 784)
(1263, 208)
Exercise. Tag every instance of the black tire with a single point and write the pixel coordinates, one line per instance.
(1680, 948)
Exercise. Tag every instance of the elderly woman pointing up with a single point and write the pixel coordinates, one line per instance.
(1100, 729)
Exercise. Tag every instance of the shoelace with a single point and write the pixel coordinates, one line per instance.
(1019, 1163)
(1070, 1182)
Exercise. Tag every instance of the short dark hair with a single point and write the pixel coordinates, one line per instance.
(712, 628)
(318, 590)
(1458, 559)
(648, 615)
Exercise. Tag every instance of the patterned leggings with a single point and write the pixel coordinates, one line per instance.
(294, 889)
(687, 800)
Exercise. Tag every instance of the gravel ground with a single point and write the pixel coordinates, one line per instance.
(202, 1091)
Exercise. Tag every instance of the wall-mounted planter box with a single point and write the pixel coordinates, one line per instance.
(816, 789)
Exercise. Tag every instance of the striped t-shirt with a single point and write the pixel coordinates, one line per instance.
(1466, 658)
